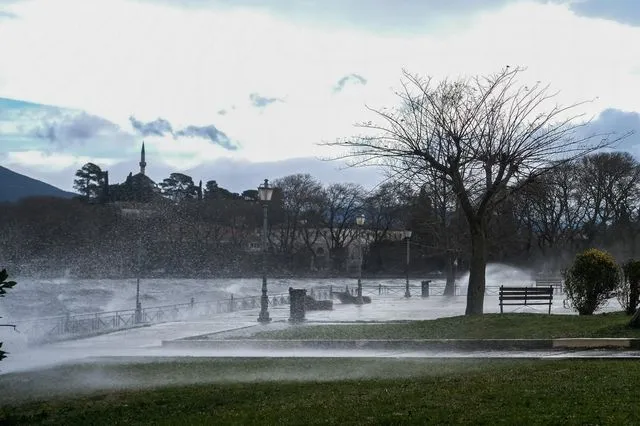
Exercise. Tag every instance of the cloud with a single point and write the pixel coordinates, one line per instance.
(52, 161)
(208, 132)
(74, 128)
(262, 101)
(407, 16)
(269, 52)
(162, 127)
(7, 15)
(623, 11)
(617, 123)
(238, 175)
(351, 78)
(232, 174)
(157, 127)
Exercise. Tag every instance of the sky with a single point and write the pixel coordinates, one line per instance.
(242, 90)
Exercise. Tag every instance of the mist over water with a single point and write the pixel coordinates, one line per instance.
(46, 297)
(498, 274)
(33, 298)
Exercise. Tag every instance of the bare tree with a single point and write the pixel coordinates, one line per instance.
(484, 136)
(553, 209)
(299, 194)
(441, 222)
(609, 184)
(342, 203)
(387, 209)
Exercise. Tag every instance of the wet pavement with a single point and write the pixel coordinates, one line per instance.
(147, 341)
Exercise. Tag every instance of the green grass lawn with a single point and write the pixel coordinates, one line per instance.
(488, 326)
(488, 392)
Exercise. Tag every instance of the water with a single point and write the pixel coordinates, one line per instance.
(33, 298)
(498, 274)
(42, 297)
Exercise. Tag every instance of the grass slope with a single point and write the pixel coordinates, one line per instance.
(488, 326)
(438, 392)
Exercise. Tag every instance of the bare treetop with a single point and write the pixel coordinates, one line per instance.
(480, 138)
(479, 134)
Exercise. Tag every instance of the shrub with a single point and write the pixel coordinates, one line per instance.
(591, 279)
(629, 290)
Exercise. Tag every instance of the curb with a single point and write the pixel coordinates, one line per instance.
(596, 343)
(410, 344)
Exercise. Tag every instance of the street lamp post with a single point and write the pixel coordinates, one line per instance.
(138, 314)
(264, 193)
(407, 236)
(360, 222)
(455, 272)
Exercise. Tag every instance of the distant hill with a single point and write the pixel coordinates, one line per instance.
(14, 186)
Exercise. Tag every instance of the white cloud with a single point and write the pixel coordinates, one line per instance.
(184, 153)
(118, 58)
(52, 161)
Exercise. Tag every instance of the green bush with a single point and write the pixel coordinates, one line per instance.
(591, 279)
(628, 292)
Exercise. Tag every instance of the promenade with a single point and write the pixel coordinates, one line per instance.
(147, 342)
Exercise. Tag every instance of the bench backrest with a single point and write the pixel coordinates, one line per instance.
(526, 296)
(529, 290)
(526, 293)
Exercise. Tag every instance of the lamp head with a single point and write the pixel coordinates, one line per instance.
(265, 191)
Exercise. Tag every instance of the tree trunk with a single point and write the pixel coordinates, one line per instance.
(312, 266)
(450, 286)
(477, 267)
(635, 320)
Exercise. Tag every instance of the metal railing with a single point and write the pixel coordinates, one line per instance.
(69, 326)
(414, 290)
(83, 325)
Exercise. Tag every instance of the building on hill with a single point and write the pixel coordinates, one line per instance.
(138, 188)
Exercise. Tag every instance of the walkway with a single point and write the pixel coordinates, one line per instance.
(146, 341)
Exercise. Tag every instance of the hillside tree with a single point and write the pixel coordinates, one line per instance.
(89, 181)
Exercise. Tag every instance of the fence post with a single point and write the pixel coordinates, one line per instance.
(425, 288)
(67, 320)
(331, 292)
(296, 304)
(379, 289)
(231, 304)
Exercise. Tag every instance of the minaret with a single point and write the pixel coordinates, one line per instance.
(143, 163)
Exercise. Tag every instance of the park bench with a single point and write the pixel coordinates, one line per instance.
(526, 296)
(556, 283)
